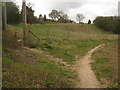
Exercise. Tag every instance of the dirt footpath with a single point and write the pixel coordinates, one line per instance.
(85, 74)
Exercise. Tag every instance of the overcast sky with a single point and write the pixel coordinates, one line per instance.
(90, 8)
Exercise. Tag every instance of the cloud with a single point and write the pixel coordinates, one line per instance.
(65, 6)
(90, 8)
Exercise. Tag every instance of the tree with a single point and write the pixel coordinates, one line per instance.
(44, 18)
(40, 16)
(109, 24)
(80, 17)
(61, 13)
(89, 21)
(54, 15)
(13, 15)
(30, 14)
(65, 17)
(40, 19)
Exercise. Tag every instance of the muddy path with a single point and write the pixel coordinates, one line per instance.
(86, 76)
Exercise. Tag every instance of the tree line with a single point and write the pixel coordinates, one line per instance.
(15, 16)
(110, 24)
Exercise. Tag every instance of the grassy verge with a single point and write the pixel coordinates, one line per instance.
(106, 65)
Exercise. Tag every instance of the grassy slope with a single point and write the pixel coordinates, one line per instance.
(106, 65)
(25, 69)
(42, 73)
(68, 50)
(71, 31)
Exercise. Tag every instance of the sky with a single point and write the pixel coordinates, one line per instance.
(89, 8)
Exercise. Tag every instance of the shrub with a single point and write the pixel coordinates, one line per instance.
(109, 24)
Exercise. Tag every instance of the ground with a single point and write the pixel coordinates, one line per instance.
(85, 74)
(54, 60)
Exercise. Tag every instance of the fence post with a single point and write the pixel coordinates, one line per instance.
(15, 33)
(29, 35)
(4, 16)
(24, 22)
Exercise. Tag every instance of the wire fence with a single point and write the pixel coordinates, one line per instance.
(33, 38)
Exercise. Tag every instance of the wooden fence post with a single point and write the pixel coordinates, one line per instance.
(24, 22)
(4, 16)
(15, 33)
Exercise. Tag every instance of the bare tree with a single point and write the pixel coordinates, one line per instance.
(61, 13)
(65, 16)
(57, 15)
(54, 14)
(80, 17)
(30, 4)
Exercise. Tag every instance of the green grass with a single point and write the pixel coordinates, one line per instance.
(68, 50)
(42, 74)
(106, 65)
(101, 60)
(103, 71)
(68, 31)
(71, 31)
(25, 69)
(66, 42)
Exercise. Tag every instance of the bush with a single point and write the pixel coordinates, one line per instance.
(13, 15)
(109, 24)
(9, 41)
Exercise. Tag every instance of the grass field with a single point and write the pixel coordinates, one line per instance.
(68, 31)
(68, 42)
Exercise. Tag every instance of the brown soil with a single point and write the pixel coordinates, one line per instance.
(85, 74)
(22, 56)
